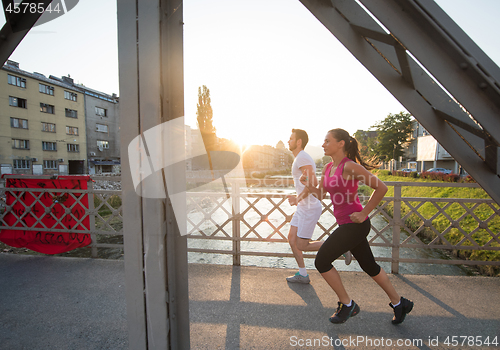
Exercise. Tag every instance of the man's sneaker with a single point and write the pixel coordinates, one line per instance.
(348, 258)
(400, 311)
(343, 312)
(298, 278)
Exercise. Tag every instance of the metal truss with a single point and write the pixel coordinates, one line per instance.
(433, 68)
(17, 26)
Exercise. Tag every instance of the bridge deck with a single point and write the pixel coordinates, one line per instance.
(66, 303)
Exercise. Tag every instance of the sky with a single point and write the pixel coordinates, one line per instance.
(270, 65)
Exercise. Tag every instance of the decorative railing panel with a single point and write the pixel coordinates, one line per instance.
(240, 216)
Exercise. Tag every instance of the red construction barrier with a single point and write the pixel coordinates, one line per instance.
(29, 208)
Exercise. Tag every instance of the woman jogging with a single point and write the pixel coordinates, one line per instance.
(340, 178)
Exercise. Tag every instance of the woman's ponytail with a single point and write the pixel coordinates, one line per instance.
(351, 147)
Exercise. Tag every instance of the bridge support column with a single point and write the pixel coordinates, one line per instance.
(150, 45)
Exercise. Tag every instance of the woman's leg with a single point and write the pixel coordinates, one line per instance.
(383, 281)
(332, 277)
(364, 255)
(338, 243)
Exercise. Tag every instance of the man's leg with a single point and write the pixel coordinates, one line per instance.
(292, 240)
(308, 245)
(301, 276)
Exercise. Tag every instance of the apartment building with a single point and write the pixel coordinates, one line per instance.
(266, 157)
(42, 124)
(425, 152)
(103, 131)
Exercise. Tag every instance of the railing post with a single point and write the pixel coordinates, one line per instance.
(235, 199)
(396, 229)
(93, 245)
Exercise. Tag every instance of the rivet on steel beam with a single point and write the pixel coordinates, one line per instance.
(483, 86)
(464, 65)
(181, 22)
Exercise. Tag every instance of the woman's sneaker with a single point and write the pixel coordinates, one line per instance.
(348, 257)
(400, 311)
(344, 312)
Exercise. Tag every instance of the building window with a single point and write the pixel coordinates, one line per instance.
(17, 81)
(102, 144)
(70, 95)
(19, 123)
(48, 127)
(71, 130)
(73, 147)
(106, 168)
(101, 111)
(45, 108)
(21, 164)
(49, 146)
(71, 113)
(50, 164)
(46, 89)
(20, 144)
(17, 102)
(101, 128)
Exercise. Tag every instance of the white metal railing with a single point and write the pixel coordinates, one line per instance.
(233, 225)
(265, 217)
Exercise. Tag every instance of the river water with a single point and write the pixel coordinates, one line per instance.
(276, 218)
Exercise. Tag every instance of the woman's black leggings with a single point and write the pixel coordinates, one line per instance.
(348, 237)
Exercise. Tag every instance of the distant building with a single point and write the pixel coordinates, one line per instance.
(266, 158)
(54, 126)
(424, 150)
(103, 131)
(284, 156)
(42, 124)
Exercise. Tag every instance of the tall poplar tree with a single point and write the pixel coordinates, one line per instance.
(204, 115)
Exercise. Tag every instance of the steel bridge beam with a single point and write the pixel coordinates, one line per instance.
(17, 26)
(463, 117)
(150, 50)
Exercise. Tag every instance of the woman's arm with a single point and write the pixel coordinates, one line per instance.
(356, 171)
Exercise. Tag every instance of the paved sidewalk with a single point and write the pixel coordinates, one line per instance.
(70, 303)
(255, 308)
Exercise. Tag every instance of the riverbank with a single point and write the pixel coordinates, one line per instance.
(477, 221)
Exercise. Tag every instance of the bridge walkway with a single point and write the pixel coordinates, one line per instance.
(74, 303)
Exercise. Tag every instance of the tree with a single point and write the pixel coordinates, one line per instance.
(326, 160)
(392, 136)
(366, 141)
(204, 116)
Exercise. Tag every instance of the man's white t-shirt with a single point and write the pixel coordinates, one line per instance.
(301, 160)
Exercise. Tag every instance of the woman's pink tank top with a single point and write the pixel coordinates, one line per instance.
(343, 193)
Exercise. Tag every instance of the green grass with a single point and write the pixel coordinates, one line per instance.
(454, 210)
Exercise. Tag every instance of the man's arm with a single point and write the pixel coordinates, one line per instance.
(308, 171)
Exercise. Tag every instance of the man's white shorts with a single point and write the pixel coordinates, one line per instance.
(305, 219)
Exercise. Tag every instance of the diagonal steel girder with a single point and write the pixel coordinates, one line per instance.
(423, 41)
(17, 26)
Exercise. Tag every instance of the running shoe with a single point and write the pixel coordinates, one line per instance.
(348, 257)
(400, 311)
(343, 312)
(298, 278)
